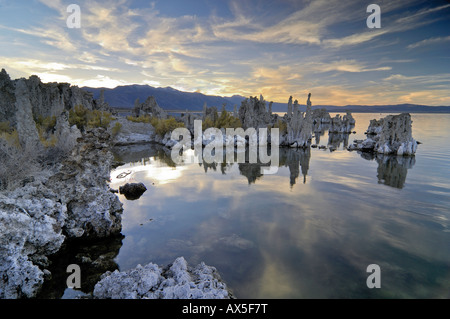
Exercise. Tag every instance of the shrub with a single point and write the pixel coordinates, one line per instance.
(47, 139)
(11, 138)
(86, 119)
(78, 117)
(116, 129)
(162, 127)
(17, 162)
(207, 123)
(98, 118)
(226, 120)
(5, 127)
(46, 123)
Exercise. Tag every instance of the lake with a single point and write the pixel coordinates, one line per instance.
(309, 231)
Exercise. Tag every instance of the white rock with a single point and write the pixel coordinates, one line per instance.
(179, 281)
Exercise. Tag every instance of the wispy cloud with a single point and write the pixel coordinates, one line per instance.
(419, 79)
(352, 66)
(242, 47)
(53, 36)
(393, 25)
(430, 41)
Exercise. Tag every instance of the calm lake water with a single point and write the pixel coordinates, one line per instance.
(309, 231)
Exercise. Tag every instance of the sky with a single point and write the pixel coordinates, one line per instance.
(247, 47)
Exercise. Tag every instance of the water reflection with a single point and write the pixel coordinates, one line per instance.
(297, 160)
(94, 259)
(142, 153)
(336, 139)
(139, 159)
(314, 241)
(392, 169)
(319, 130)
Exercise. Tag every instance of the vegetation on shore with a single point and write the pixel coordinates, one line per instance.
(162, 126)
(85, 119)
(225, 120)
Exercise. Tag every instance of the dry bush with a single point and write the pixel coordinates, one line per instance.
(18, 164)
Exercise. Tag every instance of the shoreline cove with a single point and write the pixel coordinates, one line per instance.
(68, 198)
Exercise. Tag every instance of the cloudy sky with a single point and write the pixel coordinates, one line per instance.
(247, 47)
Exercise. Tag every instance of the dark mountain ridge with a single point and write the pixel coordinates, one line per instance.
(171, 99)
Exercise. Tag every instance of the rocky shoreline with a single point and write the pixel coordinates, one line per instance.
(50, 195)
(64, 196)
(71, 201)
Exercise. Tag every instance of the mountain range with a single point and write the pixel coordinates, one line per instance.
(171, 99)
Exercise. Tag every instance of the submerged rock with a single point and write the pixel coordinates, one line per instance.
(133, 191)
(176, 281)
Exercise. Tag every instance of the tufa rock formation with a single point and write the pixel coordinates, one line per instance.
(176, 281)
(299, 126)
(389, 135)
(132, 191)
(70, 200)
(253, 113)
(149, 107)
(45, 99)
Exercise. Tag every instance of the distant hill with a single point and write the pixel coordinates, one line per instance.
(168, 98)
(172, 99)
(399, 108)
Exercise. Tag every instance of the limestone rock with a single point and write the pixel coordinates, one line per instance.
(343, 124)
(40, 99)
(300, 126)
(81, 183)
(7, 99)
(31, 229)
(131, 132)
(389, 135)
(321, 116)
(253, 113)
(349, 118)
(26, 127)
(289, 112)
(133, 191)
(176, 281)
(66, 135)
(149, 107)
(101, 104)
(396, 136)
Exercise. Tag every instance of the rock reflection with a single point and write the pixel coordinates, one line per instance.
(141, 153)
(94, 259)
(336, 139)
(297, 160)
(392, 170)
(319, 130)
